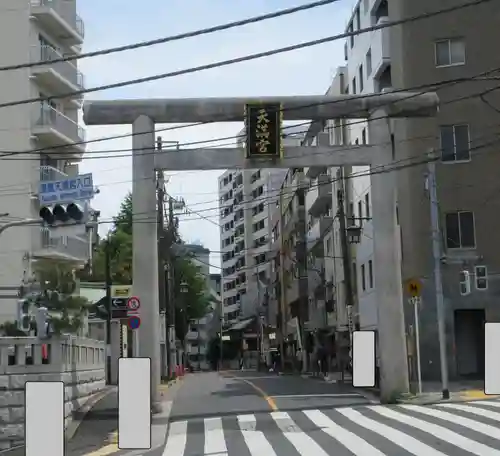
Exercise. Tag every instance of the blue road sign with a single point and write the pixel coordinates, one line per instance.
(134, 322)
(68, 190)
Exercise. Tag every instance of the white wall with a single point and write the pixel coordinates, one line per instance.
(358, 134)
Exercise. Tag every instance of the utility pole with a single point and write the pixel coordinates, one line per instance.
(301, 255)
(282, 313)
(221, 320)
(162, 247)
(438, 280)
(346, 260)
(171, 296)
(109, 309)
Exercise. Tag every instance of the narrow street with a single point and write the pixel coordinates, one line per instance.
(248, 414)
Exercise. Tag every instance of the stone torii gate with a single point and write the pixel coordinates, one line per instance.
(143, 114)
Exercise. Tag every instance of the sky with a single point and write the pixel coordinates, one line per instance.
(113, 23)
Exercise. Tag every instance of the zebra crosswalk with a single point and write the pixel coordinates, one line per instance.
(439, 430)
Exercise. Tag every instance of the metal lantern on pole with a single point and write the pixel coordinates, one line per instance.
(353, 234)
(184, 288)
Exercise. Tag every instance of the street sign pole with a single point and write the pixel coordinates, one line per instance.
(416, 303)
(107, 267)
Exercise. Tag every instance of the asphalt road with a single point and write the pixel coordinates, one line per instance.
(254, 414)
(210, 394)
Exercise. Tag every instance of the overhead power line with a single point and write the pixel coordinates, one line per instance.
(477, 149)
(247, 58)
(418, 90)
(178, 37)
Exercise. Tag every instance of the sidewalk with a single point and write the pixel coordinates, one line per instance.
(460, 391)
(98, 433)
(96, 428)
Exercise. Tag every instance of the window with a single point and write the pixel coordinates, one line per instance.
(367, 205)
(460, 230)
(369, 63)
(329, 246)
(481, 277)
(360, 213)
(455, 143)
(351, 38)
(363, 277)
(358, 19)
(361, 78)
(363, 136)
(370, 273)
(354, 86)
(450, 52)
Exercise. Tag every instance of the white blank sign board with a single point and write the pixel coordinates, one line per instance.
(44, 418)
(134, 403)
(363, 359)
(491, 358)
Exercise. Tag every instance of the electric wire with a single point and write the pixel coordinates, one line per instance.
(246, 58)
(178, 37)
(429, 87)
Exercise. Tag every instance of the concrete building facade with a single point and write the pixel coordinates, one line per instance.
(38, 31)
(438, 49)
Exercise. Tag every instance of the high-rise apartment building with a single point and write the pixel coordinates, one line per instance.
(246, 199)
(244, 238)
(45, 135)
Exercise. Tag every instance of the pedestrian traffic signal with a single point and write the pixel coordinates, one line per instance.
(62, 213)
(24, 315)
(42, 322)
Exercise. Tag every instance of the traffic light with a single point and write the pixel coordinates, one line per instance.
(63, 213)
(24, 315)
(42, 322)
(465, 283)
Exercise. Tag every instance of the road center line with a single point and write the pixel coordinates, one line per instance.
(298, 396)
(264, 395)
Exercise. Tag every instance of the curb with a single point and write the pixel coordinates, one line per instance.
(456, 400)
(84, 410)
(70, 431)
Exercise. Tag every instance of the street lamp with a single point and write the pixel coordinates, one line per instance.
(184, 287)
(353, 234)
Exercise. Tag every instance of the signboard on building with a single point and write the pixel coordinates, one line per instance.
(263, 123)
(79, 188)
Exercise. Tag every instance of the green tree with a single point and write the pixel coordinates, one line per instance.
(119, 242)
(190, 305)
(190, 294)
(58, 285)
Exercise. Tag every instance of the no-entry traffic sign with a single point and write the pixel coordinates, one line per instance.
(133, 303)
(134, 322)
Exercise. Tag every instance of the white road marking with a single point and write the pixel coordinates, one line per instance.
(474, 410)
(256, 441)
(351, 441)
(486, 429)
(438, 431)
(177, 439)
(304, 444)
(214, 437)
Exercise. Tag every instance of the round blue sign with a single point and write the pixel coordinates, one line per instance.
(134, 322)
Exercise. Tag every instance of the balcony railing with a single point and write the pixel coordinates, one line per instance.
(66, 69)
(67, 246)
(51, 117)
(64, 12)
(49, 173)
